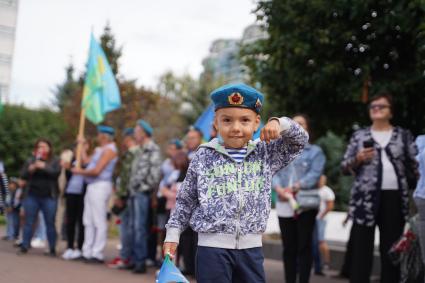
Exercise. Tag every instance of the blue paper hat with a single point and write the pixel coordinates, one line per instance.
(128, 132)
(170, 273)
(145, 126)
(237, 95)
(106, 130)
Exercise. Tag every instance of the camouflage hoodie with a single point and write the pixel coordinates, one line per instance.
(226, 202)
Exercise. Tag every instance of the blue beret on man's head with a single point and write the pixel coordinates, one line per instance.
(106, 130)
(237, 95)
(128, 132)
(145, 126)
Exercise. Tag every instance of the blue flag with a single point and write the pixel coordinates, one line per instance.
(170, 273)
(101, 93)
(205, 122)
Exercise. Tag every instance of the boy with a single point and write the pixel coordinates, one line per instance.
(13, 204)
(226, 194)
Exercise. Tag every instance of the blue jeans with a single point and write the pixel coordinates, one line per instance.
(13, 225)
(125, 235)
(139, 213)
(48, 206)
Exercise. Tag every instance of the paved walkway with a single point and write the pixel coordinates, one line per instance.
(37, 268)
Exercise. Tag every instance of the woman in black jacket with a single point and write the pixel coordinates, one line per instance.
(380, 157)
(41, 173)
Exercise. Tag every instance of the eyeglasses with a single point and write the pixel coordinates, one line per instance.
(378, 106)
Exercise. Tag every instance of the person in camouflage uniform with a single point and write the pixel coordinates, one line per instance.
(120, 208)
(144, 181)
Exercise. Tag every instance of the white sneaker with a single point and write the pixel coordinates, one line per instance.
(76, 254)
(67, 254)
(37, 243)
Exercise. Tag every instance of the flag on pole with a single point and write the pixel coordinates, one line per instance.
(100, 93)
(170, 273)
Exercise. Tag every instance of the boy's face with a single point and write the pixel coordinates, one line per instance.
(236, 125)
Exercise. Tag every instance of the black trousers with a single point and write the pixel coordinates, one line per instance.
(297, 239)
(390, 222)
(74, 219)
(187, 249)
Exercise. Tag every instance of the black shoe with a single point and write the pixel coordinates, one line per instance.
(130, 266)
(139, 268)
(94, 260)
(50, 253)
(22, 251)
(319, 273)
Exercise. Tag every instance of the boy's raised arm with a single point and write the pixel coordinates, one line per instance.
(289, 143)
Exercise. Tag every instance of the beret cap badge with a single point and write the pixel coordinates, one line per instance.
(258, 104)
(235, 98)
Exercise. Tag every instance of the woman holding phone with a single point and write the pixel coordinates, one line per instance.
(379, 157)
(41, 173)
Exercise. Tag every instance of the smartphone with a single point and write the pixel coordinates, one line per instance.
(368, 143)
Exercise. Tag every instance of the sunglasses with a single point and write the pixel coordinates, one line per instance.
(378, 106)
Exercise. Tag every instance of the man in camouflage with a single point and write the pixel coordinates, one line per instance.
(144, 181)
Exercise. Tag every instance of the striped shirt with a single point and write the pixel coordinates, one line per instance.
(238, 154)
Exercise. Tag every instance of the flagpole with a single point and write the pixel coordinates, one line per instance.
(80, 137)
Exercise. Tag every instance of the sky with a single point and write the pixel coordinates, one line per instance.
(156, 36)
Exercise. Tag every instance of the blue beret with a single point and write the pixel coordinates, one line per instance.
(128, 132)
(178, 143)
(237, 95)
(106, 130)
(145, 126)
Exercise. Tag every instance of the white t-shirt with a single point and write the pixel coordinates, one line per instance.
(284, 209)
(389, 177)
(326, 194)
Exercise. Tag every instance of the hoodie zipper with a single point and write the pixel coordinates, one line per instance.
(238, 223)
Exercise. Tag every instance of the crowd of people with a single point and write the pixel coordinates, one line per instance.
(133, 185)
(143, 191)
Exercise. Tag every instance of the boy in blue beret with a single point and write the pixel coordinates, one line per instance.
(226, 194)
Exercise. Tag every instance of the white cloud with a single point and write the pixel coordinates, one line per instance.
(156, 36)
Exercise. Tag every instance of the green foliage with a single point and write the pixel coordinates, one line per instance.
(321, 54)
(65, 91)
(20, 128)
(334, 147)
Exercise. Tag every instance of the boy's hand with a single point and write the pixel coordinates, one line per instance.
(170, 248)
(270, 131)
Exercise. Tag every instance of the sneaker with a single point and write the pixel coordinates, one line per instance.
(139, 269)
(118, 263)
(37, 243)
(150, 263)
(50, 253)
(67, 254)
(17, 244)
(76, 254)
(22, 251)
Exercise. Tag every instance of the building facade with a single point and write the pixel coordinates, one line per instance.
(8, 17)
(223, 61)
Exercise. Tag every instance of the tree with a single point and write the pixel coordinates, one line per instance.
(325, 58)
(20, 128)
(190, 96)
(109, 46)
(64, 92)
